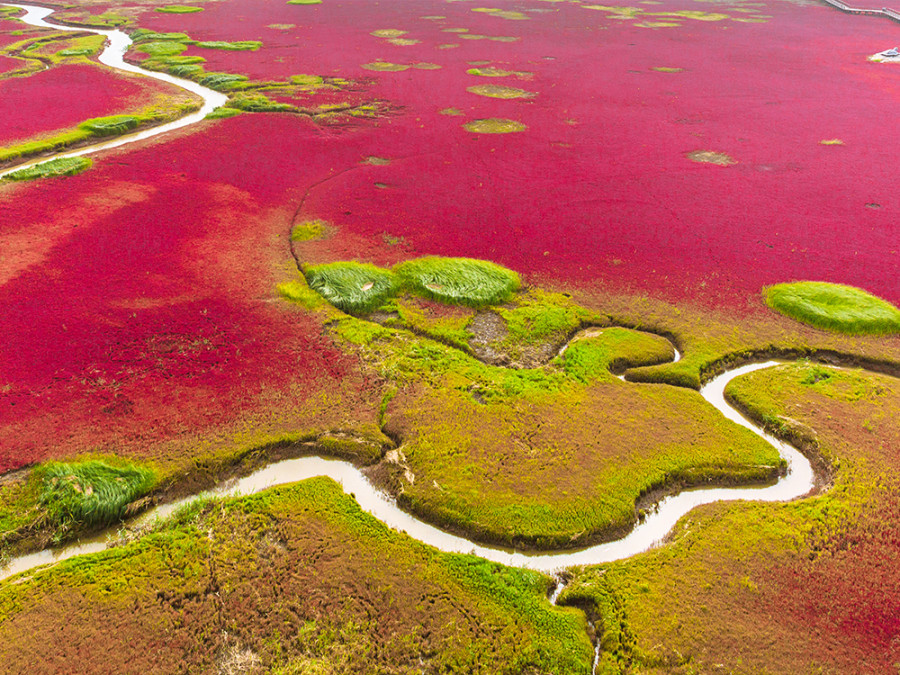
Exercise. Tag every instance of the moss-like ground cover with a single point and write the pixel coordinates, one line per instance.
(303, 580)
(835, 307)
(780, 588)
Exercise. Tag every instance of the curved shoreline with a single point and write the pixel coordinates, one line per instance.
(117, 43)
(799, 480)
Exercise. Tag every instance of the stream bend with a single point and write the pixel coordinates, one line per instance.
(117, 43)
(798, 480)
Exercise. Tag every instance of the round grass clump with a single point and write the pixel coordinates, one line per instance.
(496, 91)
(459, 281)
(92, 492)
(494, 125)
(113, 125)
(843, 309)
(179, 9)
(354, 287)
(64, 166)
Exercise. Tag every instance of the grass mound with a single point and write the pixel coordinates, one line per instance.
(351, 286)
(90, 493)
(222, 81)
(64, 166)
(459, 281)
(179, 9)
(110, 126)
(844, 309)
(494, 125)
(238, 46)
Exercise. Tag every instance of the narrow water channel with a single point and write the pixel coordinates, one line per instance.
(798, 481)
(117, 43)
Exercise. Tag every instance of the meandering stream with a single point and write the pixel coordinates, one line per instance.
(117, 43)
(798, 480)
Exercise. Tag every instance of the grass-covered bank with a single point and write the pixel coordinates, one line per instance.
(784, 588)
(297, 579)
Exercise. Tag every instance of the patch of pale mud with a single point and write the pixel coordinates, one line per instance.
(381, 318)
(488, 330)
(489, 344)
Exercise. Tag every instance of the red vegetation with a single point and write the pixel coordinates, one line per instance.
(848, 592)
(599, 188)
(62, 97)
(140, 306)
(144, 281)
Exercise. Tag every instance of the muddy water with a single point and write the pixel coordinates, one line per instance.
(798, 481)
(117, 43)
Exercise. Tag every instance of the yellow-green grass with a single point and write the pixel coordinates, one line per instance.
(304, 2)
(64, 166)
(729, 592)
(258, 103)
(360, 287)
(351, 286)
(515, 456)
(494, 125)
(301, 579)
(90, 493)
(98, 127)
(835, 307)
(459, 281)
(238, 45)
(179, 9)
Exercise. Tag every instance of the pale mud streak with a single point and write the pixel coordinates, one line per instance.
(117, 43)
(799, 480)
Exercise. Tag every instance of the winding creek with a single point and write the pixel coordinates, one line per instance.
(117, 43)
(798, 480)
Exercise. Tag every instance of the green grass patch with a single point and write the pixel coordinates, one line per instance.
(143, 34)
(222, 81)
(162, 48)
(835, 307)
(188, 70)
(304, 2)
(351, 286)
(223, 113)
(179, 9)
(90, 493)
(64, 166)
(459, 281)
(114, 125)
(258, 103)
(309, 230)
(238, 46)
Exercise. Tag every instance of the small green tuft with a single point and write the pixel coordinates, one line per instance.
(179, 9)
(223, 113)
(351, 286)
(90, 493)
(258, 103)
(309, 230)
(237, 46)
(459, 281)
(843, 309)
(63, 166)
(222, 81)
(113, 125)
(161, 48)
